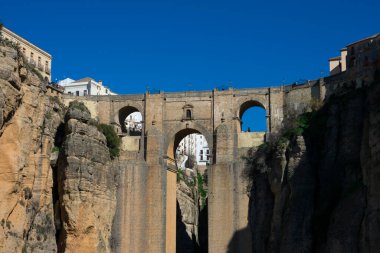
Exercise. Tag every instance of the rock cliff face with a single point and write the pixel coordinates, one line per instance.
(187, 218)
(58, 183)
(320, 192)
(29, 118)
(87, 183)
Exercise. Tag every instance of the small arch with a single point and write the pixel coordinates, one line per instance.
(126, 112)
(252, 115)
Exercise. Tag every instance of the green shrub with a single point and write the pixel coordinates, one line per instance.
(298, 127)
(201, 189)
(78, 105)
(113, 140)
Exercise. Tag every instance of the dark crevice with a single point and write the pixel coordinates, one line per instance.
(58, 141)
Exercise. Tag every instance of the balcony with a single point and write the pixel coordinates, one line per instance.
(47, 70)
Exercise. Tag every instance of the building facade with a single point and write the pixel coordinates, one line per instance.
(133, 124)
(193, 146)
(35, 56)
(84, 87)
(357, 56)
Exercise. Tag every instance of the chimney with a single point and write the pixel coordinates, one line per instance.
(100, 82)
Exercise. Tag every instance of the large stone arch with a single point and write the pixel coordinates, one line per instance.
(173, 136)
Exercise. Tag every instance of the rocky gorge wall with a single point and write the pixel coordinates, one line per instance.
(316, 190)
(57, 181)
(87, 183)
(29, 119)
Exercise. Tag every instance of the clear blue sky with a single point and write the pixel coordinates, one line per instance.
(177, 45)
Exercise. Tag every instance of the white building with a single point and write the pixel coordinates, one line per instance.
(85, 86)
(194, 145)
(133, 123)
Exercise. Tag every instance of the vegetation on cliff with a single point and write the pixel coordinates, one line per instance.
(16, 46)
(313, 187)
(113, 140)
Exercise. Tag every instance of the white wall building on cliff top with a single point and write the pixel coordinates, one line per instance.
(84, 87)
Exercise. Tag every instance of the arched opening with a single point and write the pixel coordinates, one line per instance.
(253, 124)
(130, 120)
(130, 128)
(186, 191)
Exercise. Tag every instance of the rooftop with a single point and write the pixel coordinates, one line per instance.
(86, 79)
(365, 39)
(18, 37)
(337, 58)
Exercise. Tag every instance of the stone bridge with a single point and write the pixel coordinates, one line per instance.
(146, 215)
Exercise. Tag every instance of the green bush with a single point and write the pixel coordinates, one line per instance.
(78, 105)
(113, 140)
(201, 189)
(302, 122)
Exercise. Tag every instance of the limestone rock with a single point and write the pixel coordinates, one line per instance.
(78, 114)
(320, 192)
(87, 187)
(187, 218)
(28, 125)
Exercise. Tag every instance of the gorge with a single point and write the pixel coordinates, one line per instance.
(311, 187)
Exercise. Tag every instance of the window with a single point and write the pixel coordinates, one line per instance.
(187, 112)
(201, 152)
(77, 92)
(39, 63)
(207, 151)
(31, 58)
(23, 50)
(85, 92)
(70, 93)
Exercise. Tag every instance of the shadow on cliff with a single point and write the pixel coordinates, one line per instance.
(184, 243)
(240, 241)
